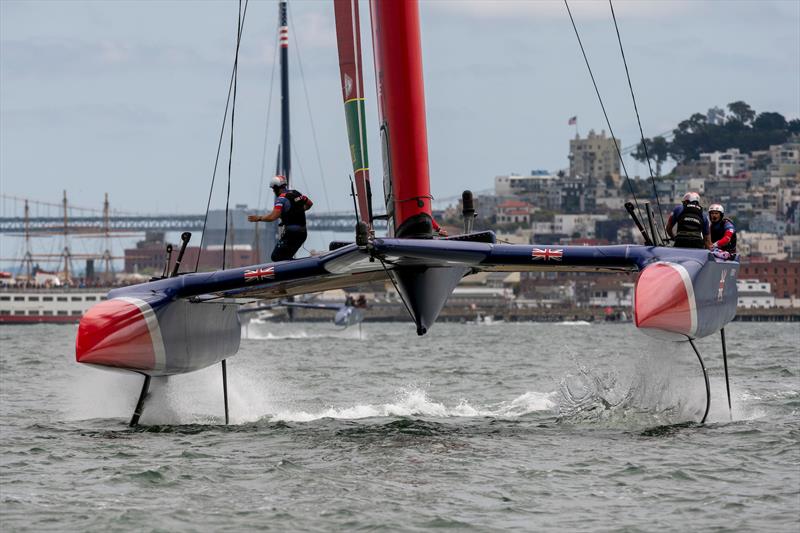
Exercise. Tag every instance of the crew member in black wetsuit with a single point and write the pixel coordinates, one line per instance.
(691, 223)
(290, 207)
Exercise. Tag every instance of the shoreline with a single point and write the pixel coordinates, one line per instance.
(459, 313)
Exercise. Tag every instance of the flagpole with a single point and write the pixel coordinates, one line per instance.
(573, 121)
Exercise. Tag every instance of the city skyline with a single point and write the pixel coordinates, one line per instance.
(91, 103)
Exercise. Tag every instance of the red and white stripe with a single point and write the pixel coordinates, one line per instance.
(283, 36)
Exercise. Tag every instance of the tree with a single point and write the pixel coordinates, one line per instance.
(656, 148)
(689, 138)
(770, 121)
(744, 129)
(741, 112)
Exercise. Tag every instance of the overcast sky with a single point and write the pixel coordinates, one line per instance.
(127, 97)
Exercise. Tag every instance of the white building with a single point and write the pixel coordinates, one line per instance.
(754, 294)
(514, 212)
(728, 163)
(542, 190)
(785, 158)
(758, 244)
(571, 224)
(611, 293)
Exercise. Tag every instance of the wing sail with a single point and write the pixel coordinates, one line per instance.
(348, 39)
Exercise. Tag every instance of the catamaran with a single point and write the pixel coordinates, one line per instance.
(188, 321)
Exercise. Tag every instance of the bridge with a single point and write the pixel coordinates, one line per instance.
(54, 225)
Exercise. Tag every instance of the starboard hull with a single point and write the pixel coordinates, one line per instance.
(685, 299)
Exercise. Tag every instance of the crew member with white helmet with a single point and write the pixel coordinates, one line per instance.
(723, 232)
(688, 225)
(290, 207)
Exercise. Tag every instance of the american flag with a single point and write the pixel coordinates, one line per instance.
(573, 120)
(547, 254)
(259, 274)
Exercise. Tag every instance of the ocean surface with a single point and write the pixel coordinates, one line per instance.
(528, 427)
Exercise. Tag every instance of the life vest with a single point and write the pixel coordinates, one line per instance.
(718, 232)
(296, 214)
(690, 223)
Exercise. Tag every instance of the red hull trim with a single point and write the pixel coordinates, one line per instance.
(662, 300)
(115, 333)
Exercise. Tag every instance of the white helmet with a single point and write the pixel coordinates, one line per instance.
(277, 182)
(691, 197)
(716, 207)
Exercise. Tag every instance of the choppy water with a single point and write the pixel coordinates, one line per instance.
(509, 426)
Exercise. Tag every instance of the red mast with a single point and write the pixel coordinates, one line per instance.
(401, 106)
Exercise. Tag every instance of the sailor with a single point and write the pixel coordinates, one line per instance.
(691, 223)
(438, 229)
(723, 232)
(290, 207)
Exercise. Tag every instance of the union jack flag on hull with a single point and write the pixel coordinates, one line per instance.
(547, 254)
(259, 274)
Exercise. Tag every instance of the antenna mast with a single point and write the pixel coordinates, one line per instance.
(66, 254)
(285, 150)
(27, 260)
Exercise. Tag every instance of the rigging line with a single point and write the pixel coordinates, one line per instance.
(308, 108)
(300, 167)
(233, 114)
(216, 160)
(603, 107)
(638, 119)
(402, 298)
(266, 125)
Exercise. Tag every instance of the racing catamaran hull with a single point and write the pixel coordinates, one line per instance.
(156, 335)
(685, 299)
(187, 322)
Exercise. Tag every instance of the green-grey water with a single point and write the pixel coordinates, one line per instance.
(503, 427)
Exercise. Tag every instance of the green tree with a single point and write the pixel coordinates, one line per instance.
(744, 129)
(689, 139)
(741, 112)
(657, 149)
(770, 121)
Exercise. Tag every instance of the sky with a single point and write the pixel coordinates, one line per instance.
(127, 97)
